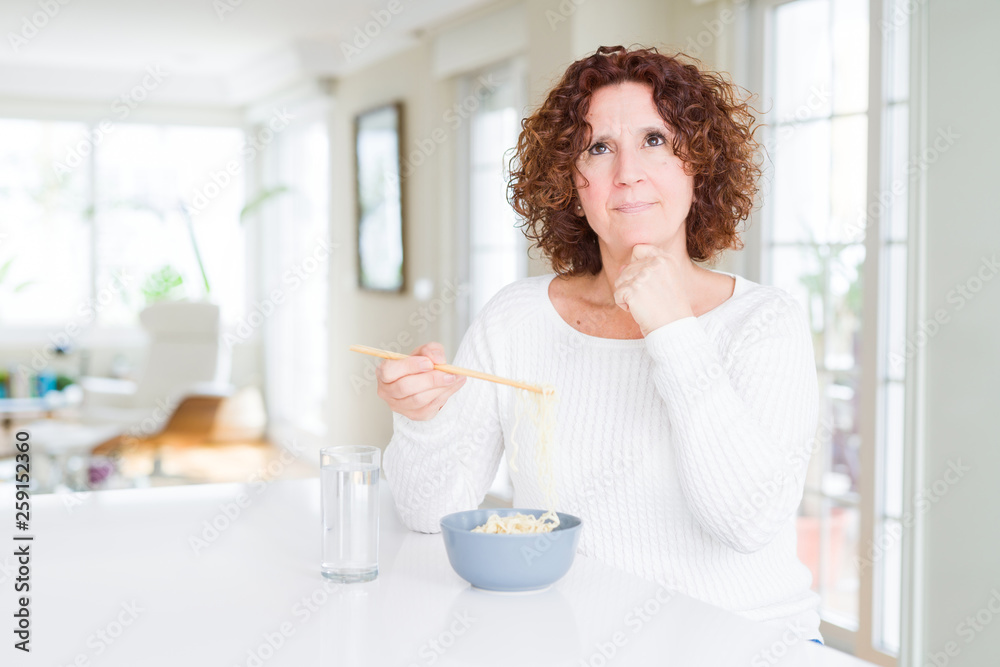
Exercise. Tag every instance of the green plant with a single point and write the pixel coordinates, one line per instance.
(162, 284)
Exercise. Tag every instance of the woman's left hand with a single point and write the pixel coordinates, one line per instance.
(650, 288)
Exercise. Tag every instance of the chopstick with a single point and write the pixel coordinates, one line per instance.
(448, 368)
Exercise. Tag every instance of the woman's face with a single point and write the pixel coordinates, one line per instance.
(638, 189)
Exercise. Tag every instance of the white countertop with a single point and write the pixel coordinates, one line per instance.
(116, 581)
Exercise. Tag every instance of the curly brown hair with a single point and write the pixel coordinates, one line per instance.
(712, 133)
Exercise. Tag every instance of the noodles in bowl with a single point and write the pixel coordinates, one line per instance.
(509, 562)
(515, 550)
(515, 524)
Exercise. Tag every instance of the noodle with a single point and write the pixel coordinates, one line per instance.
(519, 523)
(540, 408)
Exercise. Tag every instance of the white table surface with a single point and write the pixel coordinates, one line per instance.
(115, 581)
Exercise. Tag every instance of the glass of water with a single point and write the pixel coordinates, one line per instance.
(349, 489)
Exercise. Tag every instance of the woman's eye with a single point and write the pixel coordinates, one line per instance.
(659, 139)
(597, 149)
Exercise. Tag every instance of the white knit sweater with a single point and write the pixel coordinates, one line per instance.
(684, 452)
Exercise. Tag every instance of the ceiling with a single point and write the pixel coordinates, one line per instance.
(206, 52)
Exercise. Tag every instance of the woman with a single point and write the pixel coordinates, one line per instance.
(687, 397)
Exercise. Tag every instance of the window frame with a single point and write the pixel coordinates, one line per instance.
(759, 38)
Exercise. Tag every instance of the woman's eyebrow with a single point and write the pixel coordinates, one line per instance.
(649, 129)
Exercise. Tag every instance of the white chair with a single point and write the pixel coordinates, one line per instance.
(184, 357)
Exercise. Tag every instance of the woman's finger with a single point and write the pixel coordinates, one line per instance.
(409, 385)
(391, 370)
(421, 400)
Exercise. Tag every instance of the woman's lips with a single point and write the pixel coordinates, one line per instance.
(637, 207)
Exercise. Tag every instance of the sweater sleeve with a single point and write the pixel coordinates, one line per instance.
(447, 463)
(743, 430)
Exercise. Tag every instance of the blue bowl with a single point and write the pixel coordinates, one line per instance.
(509, 563)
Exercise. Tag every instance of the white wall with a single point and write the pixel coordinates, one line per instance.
(358, 416)
(961, 550)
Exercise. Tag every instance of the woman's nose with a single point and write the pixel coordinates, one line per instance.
(628, 167)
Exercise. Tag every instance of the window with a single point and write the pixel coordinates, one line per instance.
(42, 283)
(295, 255)
(496, 247)
(833, 143)
(492, 245)
(95, 223)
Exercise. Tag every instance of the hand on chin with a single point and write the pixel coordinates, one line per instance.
(650, 287)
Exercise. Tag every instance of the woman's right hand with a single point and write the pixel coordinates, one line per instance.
(412, 387)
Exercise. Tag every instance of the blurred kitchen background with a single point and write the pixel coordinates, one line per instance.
(201, 208)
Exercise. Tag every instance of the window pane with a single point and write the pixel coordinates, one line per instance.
(494, 132)
(799, 271)
(892, 461)
(843, 336)
(841, 583)
(801, 198)
(849, 176)
(902, 344)
(896, 191)
(496, 268)
(295, 228)
(888, 562)
(497, 254)
(843, 460)
(808, 529)
(819, 463)
(895, 29)
(44, 232)
(850, 56)
(827, 544)
(802, 76)
(494, 223)
(146, 177)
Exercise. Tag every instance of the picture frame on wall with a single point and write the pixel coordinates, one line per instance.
(377, 143)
